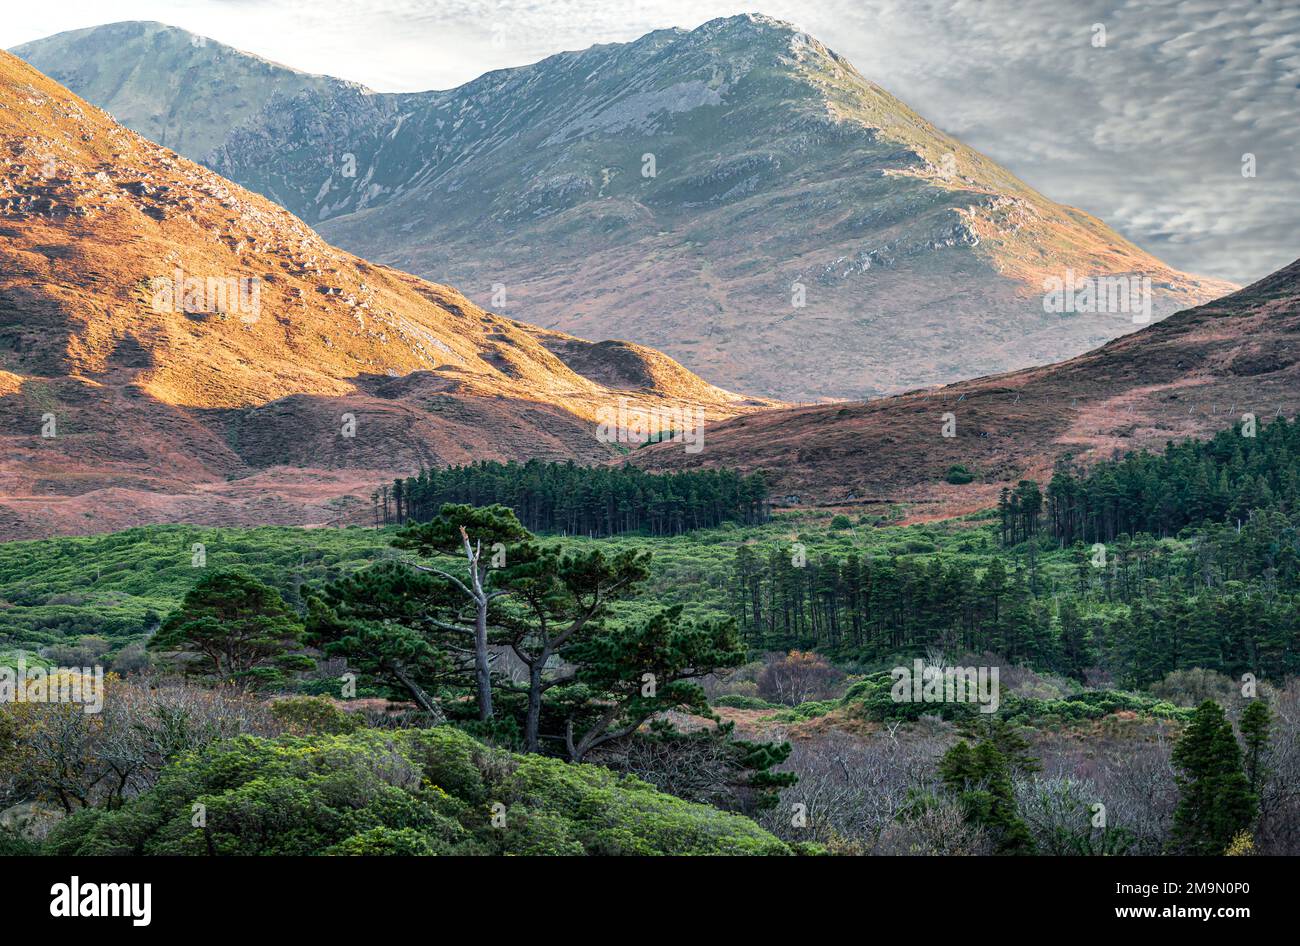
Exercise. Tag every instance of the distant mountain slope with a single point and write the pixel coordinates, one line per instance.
(775, 163)
(1193, 374)
(177, 88)
(175, 347)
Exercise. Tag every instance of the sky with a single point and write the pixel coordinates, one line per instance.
(1141, 112)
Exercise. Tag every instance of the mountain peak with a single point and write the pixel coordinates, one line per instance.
(736, 195)
(748, 22)
(740, 37)
(130, 69)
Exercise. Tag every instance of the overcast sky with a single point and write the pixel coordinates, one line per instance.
(1147, 132)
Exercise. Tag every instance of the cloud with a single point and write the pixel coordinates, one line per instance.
(1147, 132)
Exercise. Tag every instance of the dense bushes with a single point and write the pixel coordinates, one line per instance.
(871, 698)
(119, 586)
(314, 715)
(958, 475)
(410, 792)
(799, 677)
(58, 755)
(13, 844)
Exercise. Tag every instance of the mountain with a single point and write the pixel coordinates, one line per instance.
(180, 89)
(776, 163)
(175, 347)
(1192, 375)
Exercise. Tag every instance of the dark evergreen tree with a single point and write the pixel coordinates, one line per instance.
(382, 621)
(234, 626)
(1215, 799)
(980, 780)
(1256, 723)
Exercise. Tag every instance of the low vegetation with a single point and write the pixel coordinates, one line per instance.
(415, 791)
(461, 685)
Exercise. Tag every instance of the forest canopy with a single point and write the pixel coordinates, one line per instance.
(580, 500)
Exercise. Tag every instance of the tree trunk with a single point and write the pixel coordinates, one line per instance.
(421, 698)
(482, 666)
(532, 739)
(478, 591)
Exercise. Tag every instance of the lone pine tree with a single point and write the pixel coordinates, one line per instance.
(1216, 802)
(236, 626)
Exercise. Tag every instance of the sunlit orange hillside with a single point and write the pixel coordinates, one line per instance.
(175, 347)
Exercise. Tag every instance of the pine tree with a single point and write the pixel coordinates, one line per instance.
(1216, 802)
(236, 627)
(1255, 725)
(1076, 648)
(980, 780)
(473, 534)
(957, 768)
(380, 620)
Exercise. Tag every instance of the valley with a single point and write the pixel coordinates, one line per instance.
(673, 446)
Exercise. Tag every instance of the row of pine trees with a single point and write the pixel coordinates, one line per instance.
(1228, 601)
(568, 499)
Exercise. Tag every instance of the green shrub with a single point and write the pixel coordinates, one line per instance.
(740, 701)
(401, 842)
(13, 844)
(407, 792)
(871, 698)
(810, 710)
(605, 813)
(959, 475)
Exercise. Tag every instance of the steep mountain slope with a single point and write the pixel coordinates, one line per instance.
(775, 163)
(173, 346)
(177, 88)
(1193, 374)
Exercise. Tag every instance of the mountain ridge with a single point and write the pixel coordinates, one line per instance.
(777, 165)
(194, 115)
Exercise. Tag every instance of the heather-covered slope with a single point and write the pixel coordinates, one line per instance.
(169, 342)
(1193, 374)
(775, 163)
